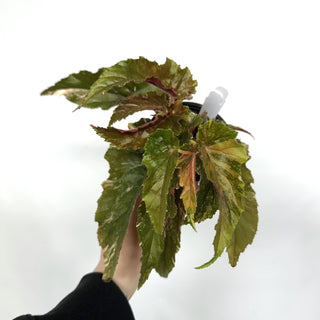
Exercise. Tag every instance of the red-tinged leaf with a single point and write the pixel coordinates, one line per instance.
(187, 165)
(179, 80)
(168, 77)
(240, 129)
(137, 137)
(150, 101)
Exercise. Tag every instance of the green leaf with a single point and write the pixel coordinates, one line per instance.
(207, 197)
(75, 86)
(248, 222)
(116, 94)
(150, 101)
(172, 232)
(188, 124)
(168, 77)
(160, 159)
(222, 157)
(174, 185)
(151, 243)
(213, 132)
(117, 201)
(193, 120)
(171, 204)
(187, 165)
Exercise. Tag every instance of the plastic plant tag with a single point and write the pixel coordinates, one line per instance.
(214, 102)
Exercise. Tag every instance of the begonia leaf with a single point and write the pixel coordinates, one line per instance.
(168, 77)
(171, 204)
(207, 197)
(160, 159)
(75, 86)
(117, 201)
(172, 235)
(222, 157)
(248, 222)
(150, 101)
(152, 244)
(137, 137)
(187, 166)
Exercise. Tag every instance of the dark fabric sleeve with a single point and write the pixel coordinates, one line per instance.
(93, 299)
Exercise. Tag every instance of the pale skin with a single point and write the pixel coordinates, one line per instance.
(127, 272)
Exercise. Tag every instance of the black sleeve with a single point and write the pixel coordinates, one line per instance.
(93, 299)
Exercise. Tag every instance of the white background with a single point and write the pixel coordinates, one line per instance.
(265, 53)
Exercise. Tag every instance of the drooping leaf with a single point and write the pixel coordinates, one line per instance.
(222, 157)
(172, 234)
(207, 197)
(168, 77)
(187, 165)
(150, 101)
(152, 244)
(116, 203)
(248, 222)
(160, 159)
